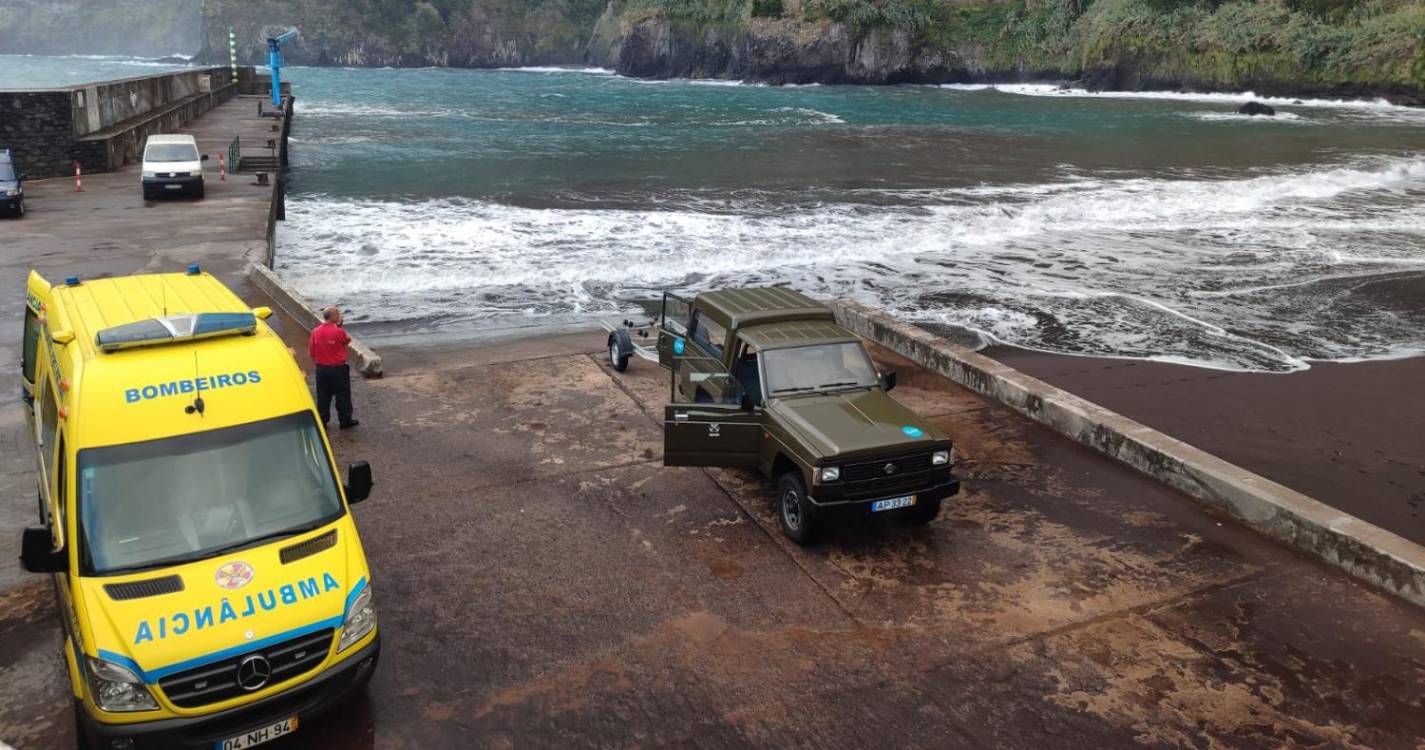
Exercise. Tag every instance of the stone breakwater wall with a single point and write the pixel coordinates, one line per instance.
(104, 125)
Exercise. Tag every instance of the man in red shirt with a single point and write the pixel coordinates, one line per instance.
(328, 349)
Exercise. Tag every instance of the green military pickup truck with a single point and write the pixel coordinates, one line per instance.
(765, 378)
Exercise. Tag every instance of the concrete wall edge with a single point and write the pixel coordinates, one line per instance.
(368, 362)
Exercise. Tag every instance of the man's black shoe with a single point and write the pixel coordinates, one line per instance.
(351, 424)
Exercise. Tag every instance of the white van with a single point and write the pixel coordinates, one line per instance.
(171, 164)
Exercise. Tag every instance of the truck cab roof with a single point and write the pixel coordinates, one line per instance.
(735, 309)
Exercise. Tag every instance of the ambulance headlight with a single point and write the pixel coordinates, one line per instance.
(115, 688)
(359, 621)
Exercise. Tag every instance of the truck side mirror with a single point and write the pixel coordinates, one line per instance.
(747, 402)
(37, 552)
(888, 379)
(358, 482)
(203, 157)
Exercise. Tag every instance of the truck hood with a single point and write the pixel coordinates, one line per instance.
(851, 424)
(228, 604)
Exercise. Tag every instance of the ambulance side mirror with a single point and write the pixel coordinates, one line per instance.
(358, 482)
(37, 552)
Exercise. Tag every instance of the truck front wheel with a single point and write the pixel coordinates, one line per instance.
(799, 521)
(921, 514)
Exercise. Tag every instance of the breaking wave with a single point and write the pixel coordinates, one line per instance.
(1262, 273)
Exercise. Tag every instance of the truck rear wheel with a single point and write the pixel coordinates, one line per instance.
(798, 516)
(921, 514)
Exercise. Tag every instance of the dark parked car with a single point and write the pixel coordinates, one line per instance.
(12, 189)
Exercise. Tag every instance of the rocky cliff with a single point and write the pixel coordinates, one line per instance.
(399, 33)
(141, 28)
(1289, 47)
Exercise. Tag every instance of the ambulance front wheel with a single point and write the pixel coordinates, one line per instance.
(81, 737)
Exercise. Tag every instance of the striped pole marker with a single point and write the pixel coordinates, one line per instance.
(232, 51)
(78, 178)
(222, 168)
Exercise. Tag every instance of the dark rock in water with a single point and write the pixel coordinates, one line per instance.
(1256, 108)
(1064, 87)
(1297, 101)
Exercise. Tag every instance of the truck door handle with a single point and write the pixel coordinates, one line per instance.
(681, 416)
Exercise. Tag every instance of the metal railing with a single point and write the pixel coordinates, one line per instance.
(234, 154)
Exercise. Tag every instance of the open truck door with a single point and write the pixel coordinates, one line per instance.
(673, 328)
(37, 292)
(710, 421)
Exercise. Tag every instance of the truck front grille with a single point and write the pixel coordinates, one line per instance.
(218, 681)
(890, 468)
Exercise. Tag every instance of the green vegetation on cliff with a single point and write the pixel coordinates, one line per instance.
(1205, 43)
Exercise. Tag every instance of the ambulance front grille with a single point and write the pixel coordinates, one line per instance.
(218, 681)
(143, 589)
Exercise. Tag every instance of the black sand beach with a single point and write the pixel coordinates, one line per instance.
(1350, 435)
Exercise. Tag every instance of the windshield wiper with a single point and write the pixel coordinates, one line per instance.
(215, 551)
(841, 384)
(794, 389)
(295, 530)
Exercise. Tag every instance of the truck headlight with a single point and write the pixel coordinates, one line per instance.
(942, 458)
(115, 688)
(359, 621)
(828, 474)
(149, 175)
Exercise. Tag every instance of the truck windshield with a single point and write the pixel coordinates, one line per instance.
(171, 152)
(7, 172)
(804, 369)
(189, 497)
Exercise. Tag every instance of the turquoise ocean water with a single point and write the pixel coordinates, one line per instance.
(1160, 226)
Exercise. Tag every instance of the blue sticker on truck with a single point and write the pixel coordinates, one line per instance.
(191, 385)
(912, 431)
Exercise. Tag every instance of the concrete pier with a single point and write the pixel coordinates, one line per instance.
(543, 581)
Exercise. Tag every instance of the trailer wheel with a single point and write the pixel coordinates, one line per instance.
(620, 348)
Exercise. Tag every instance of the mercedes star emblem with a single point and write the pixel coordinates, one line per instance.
(253, 672)
(889, 469)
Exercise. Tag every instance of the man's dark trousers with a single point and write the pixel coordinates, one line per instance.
(334, 381)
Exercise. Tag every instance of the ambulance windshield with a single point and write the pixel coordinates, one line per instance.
(185, 498)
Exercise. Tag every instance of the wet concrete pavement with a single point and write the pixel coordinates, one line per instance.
(543, 581)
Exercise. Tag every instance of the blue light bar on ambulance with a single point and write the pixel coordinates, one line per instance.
(175, 328)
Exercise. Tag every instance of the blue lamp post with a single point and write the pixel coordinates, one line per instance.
(274, 61)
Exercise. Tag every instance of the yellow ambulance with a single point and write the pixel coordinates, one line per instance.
(212, 586)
